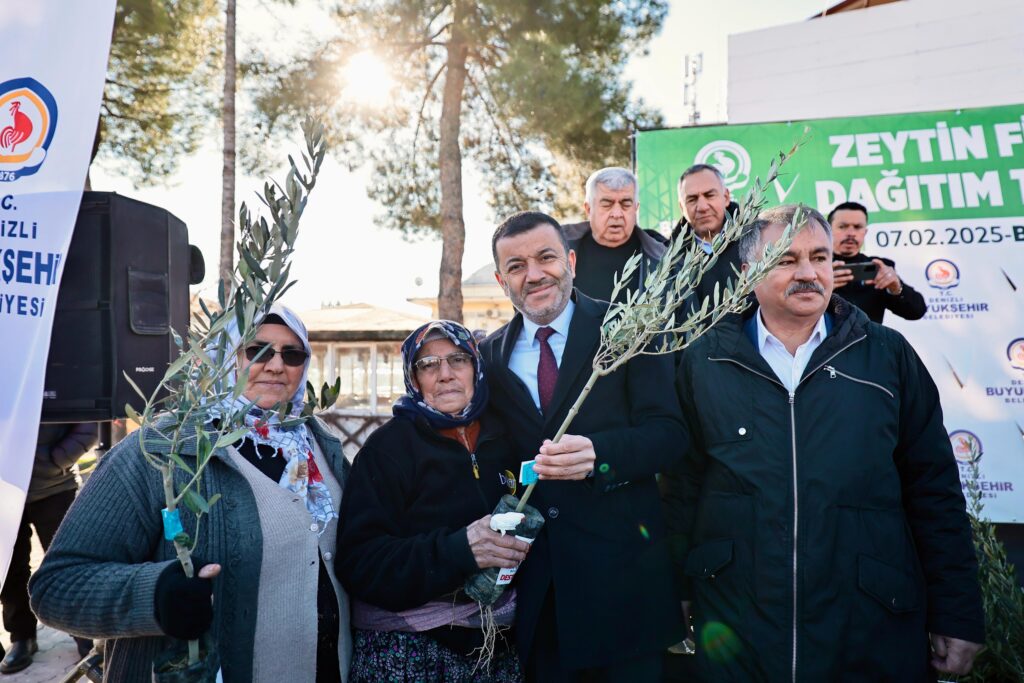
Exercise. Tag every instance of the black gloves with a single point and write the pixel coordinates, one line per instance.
(183, 606)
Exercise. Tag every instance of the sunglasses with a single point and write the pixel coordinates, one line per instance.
(265, 353)
(431, 365)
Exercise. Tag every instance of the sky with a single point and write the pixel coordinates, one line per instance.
(342, 256)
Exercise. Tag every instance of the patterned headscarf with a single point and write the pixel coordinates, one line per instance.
(413, 405)
(293, 443)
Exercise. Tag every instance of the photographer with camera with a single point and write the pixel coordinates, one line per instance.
(869, 283)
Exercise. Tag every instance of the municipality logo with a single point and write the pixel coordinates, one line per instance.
(28, 119)
(1015, 354)
(942, 274)
(728, 157)
(966, 446)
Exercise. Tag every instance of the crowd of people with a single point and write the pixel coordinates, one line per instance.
(782, 495)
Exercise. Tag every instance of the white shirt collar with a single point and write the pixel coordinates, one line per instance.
(559, 324)
(763, 335)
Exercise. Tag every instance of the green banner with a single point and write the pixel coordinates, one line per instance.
(905, 167)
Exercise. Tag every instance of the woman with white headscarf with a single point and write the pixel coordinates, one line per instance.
(265, 551)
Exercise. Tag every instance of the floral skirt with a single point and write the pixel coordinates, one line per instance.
(397, 657)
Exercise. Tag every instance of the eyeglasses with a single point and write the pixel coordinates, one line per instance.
(265, 353)
(431, 365)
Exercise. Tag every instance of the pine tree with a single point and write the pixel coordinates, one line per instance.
(159, 95)
(530, 92)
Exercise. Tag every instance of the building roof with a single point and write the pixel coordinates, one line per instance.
(480, 287)
(850, 5)
(483, 276)
(360, 322)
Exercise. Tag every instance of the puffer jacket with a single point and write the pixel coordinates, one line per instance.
(821, 534)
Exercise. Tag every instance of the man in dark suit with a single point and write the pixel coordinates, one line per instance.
(595, 598)
(705, 202)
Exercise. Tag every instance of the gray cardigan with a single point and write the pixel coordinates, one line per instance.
(98, 577)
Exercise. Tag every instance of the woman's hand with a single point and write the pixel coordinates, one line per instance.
(491, 549)
(184, 606)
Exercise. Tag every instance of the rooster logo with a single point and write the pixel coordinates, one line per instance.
(19, 131)
(28, 120)
(942, 274)
(966, 446)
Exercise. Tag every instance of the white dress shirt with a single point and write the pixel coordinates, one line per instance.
(788, 368)
(526, 353)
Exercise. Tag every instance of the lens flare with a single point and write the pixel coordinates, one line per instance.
(719, 642)
(367, 80)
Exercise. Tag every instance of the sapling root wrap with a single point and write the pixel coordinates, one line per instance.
(486, 586)
(172, 665)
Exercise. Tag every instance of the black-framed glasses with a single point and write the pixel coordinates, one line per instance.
(263, 353)
(431, 365)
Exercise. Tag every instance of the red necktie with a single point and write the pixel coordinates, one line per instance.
(547, 369)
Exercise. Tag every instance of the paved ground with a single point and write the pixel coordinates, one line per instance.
(57, 654)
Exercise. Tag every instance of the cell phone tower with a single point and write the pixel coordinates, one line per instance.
(693, 67)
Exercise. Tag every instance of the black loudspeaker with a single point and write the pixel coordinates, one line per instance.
(124, 287)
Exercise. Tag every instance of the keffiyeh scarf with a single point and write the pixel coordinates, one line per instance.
(294, 443)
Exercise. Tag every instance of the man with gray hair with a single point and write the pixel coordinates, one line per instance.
(817, 521)
(609, 237)
(705, 202)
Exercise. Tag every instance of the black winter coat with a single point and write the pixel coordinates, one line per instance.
(402, 525)
(874, 302)
(652, 244)
(603, 548)
(823, 533)
(722, 270)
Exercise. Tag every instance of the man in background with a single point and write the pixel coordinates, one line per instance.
(874, 294)
(705, 202)
(610, 236)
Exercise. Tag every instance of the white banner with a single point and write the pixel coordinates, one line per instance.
(51, 84)
(971, 339)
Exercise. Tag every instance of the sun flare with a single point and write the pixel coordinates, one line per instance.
(367, 80)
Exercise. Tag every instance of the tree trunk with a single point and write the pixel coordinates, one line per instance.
(453, 228)
(227, 203)
(96, 140)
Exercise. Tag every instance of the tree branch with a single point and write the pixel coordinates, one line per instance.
(423, 105)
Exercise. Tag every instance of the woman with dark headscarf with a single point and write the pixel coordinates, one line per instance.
(278, 612)
(415, 522)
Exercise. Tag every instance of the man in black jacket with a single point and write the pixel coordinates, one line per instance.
(705, 202)
(873, 295)
(50, 493)
(818, 522)
(594, 597)
(610, 236)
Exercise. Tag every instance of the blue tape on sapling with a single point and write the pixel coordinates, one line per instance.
(526, 474)
(172, 523)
